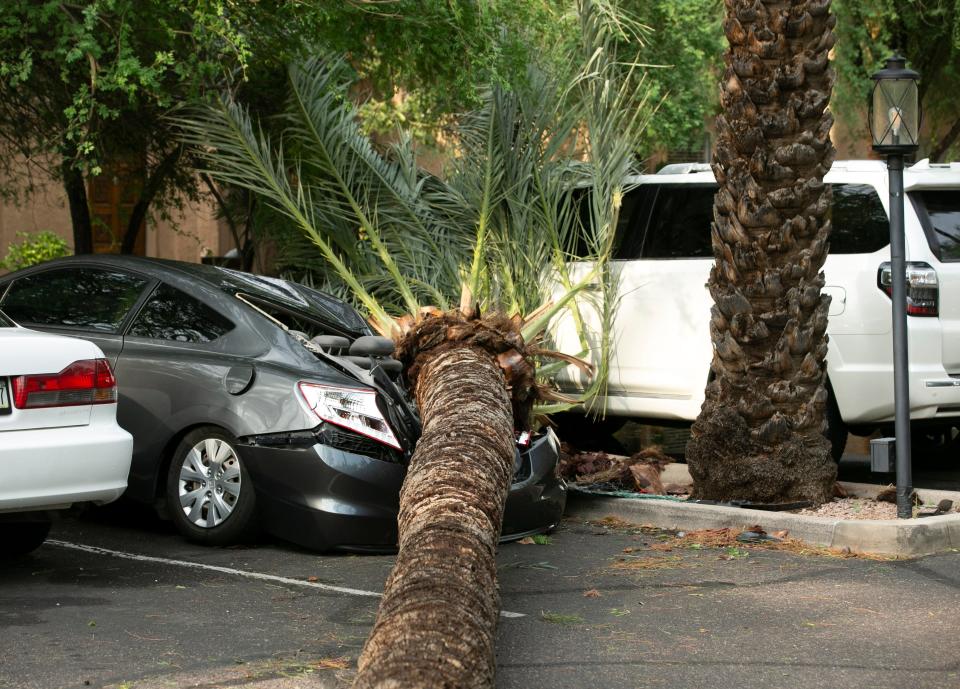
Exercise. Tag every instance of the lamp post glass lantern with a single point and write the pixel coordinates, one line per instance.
(895, 108)
(894, 127)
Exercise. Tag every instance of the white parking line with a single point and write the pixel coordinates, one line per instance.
(229, 570)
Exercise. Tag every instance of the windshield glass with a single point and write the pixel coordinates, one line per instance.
(942, 207)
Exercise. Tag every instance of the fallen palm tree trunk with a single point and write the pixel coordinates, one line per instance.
(436, 623)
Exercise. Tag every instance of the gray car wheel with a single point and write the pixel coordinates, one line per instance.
(209, 493)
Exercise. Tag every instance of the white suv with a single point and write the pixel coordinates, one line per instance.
(662, 348)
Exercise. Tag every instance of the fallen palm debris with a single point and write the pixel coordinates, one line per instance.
(889, 494)
(755, 537)
(640, 472)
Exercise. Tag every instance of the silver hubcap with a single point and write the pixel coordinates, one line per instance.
(209, 484)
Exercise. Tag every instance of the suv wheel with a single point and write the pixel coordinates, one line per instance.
(587, 433)
(836, 431)
(210, 496)
(934, 443)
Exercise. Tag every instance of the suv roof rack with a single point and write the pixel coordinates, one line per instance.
(925, 164)
(684, 168)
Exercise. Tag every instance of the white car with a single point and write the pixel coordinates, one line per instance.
(662, 348)
(60, 444)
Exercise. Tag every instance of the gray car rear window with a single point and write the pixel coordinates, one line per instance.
(172, 315)
(289, 294)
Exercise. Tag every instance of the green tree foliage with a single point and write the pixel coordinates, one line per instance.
(93, 81)
(927, 33)
(90, 82)
(684, 45)
(679, 43)
(33, 249)
(490, 236)
(442, 53)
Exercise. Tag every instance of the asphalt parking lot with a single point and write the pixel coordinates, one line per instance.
(117, 600)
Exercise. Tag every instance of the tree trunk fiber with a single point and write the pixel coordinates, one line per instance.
(153, 184)
(759, 436)
(76, 191)
(436, 623)
(945, 143)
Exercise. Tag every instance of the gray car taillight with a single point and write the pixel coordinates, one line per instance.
(923, 287)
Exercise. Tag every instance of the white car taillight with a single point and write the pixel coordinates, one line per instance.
(350, 408)
(89, 381)
(923, 287)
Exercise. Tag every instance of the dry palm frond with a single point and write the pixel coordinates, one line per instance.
(640, 472)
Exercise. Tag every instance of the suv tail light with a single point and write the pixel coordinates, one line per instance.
(923, 287)
(351, 408)
(89, 381)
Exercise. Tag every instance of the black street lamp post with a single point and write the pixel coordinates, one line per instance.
(894, 126)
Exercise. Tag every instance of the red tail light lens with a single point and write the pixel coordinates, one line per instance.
(923, 287)
(89, 381)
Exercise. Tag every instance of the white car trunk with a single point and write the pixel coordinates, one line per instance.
(26, 352)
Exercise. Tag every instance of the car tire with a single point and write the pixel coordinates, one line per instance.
(210, 496)
(836, 431)
(20, 538)
(588, 433)
(933, 444)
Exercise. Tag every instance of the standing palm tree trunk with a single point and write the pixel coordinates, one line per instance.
(759, 434)
(435, 626)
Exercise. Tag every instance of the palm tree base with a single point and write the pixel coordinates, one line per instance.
(727, 462)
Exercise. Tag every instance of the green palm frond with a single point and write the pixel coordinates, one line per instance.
(501, 227)
(242, 155)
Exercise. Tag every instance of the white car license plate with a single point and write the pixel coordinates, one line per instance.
(4, 397)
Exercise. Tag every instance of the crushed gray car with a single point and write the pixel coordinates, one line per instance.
(255, 402)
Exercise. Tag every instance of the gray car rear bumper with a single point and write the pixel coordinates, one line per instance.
(322, 497)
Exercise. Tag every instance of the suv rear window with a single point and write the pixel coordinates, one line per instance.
(668, 221)
(86, 298)
(860, 225)
(939, 211)
(663, 221)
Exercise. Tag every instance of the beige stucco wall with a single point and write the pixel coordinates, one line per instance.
(46, 209)
(195, 232)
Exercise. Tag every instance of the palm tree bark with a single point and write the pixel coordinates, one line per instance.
(759, 434)
(436, 623)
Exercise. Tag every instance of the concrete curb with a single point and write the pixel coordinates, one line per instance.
(900, 537)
